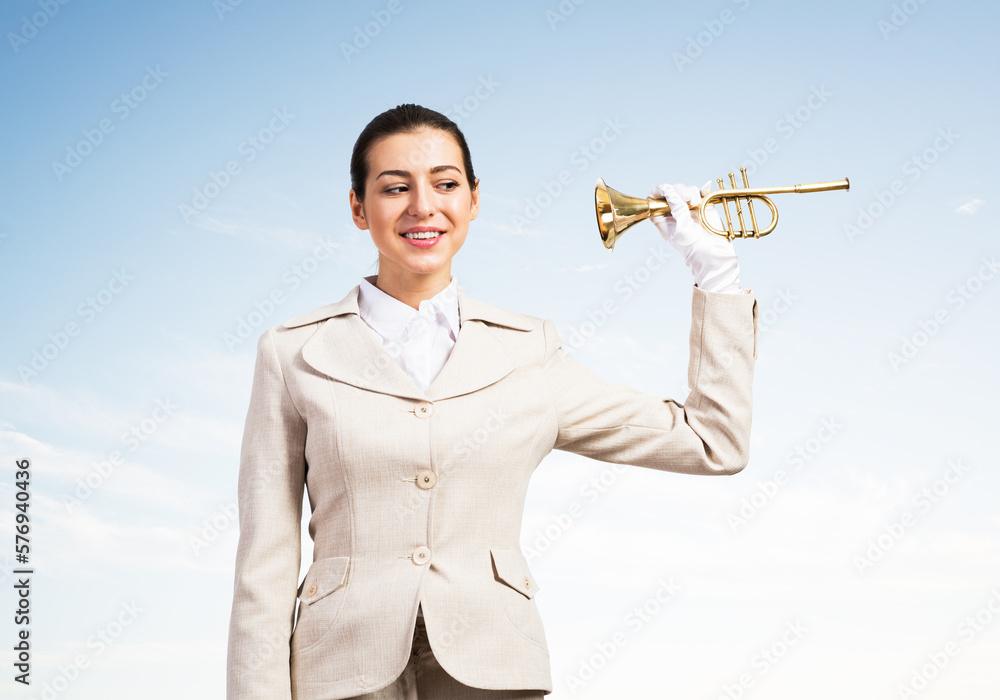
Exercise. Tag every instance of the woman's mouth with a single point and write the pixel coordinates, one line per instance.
(420, 235)
(423, 239)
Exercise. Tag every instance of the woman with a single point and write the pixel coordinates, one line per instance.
(415, 416)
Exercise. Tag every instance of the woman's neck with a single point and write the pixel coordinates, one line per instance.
(409, 287)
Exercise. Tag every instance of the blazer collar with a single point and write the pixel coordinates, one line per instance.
(344, 348)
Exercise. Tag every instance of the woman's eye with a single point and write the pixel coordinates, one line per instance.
(399, 189)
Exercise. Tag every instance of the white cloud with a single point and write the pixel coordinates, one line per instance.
(583, 268)
(970, 207)
(104, 424)
(231, 226)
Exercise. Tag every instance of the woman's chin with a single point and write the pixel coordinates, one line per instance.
(427, 262)
(425, 265)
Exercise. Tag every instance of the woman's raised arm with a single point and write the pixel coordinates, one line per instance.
(708, 434)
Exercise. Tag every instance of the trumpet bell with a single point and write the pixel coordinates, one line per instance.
(617, 212)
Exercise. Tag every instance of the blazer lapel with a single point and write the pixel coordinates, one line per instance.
(345, 348)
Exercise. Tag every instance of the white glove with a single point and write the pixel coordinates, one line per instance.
(711, 258)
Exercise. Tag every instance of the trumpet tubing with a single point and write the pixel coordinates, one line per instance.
(617, 212)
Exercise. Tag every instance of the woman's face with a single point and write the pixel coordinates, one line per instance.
(416, 184)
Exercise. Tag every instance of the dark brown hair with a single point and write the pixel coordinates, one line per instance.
(402, 119)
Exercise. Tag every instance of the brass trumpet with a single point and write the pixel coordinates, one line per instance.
(617, 212)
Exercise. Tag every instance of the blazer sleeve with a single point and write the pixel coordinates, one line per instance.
(271, 479)
(708, 434)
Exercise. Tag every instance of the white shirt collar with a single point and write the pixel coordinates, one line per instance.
(390, 317)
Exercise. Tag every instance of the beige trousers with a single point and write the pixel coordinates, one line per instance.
(424, 679)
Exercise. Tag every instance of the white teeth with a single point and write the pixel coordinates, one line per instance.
(423, 234)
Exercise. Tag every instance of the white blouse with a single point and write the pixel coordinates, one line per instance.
(420, 340)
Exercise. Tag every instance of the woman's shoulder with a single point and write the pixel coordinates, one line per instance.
(349, 304)
(477, 309)
(309, 317)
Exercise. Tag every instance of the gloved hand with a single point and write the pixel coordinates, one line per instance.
(711, 259)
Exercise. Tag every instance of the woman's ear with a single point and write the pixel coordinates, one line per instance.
(358, 212)
(474, 211)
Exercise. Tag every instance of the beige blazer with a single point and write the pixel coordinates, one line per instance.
(417, 497)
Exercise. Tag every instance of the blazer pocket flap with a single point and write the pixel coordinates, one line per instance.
(324, 577)
(510, 567)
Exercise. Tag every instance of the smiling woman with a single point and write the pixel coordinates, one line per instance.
(418, 587)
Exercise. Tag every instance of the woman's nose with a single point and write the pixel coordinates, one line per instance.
(421, 202)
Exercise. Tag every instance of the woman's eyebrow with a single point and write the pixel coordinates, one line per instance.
(406, 173)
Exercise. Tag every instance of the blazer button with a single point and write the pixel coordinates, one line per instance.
(311, 591)
(421, 555)
(527, 583)
(424, 409)
(426, 479)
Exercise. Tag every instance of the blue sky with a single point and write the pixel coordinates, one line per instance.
(878, 312)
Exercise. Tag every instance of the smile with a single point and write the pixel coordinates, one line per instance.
(422, 234)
